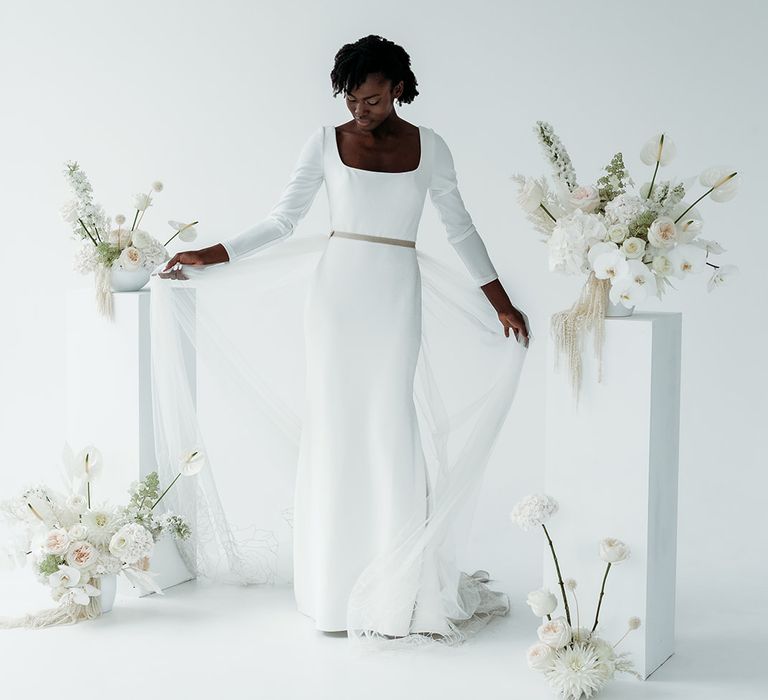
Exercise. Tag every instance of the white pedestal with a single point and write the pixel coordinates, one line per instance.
(612, 464)
(109, 404)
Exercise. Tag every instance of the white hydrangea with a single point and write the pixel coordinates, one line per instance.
(534, 510)
(131, 543)
(624, 208)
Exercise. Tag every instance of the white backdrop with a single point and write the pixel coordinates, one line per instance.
(215, 99)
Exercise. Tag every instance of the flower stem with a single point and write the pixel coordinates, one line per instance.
(88, 484)
(653, 179)
(133, 225)
(559, 575)
(548, 213)
(717, 267)
(166, 491)
(602, 593)
(93, 240)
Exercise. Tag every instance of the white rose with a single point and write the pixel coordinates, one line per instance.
(539, 656)
(131, 258)
(585, 198)
(530, 196)
(541, 602)
(82, 554)
(662, 265)
(613, 550)
(57, 541)
(618, 232)
(77, 504)
(555, 633)
(78, 532)
(633, 247)
(663, 232)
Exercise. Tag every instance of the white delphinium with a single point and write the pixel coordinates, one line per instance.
(102, 522)
(686, 259)
(542, 602)
(576, 672)
(70, 213)
(534, 510)
(558, 156)
(555, 632)
(131, 543)
(86, 259)
(721, 275)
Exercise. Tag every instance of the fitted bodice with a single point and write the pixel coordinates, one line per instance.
(371, 202)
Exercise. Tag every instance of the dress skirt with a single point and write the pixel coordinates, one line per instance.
(361, 475)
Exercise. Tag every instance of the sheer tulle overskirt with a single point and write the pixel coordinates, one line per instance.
(228, 343)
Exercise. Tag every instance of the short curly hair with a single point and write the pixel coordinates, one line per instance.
(373, 54)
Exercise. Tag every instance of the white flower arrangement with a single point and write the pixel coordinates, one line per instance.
(73, 543)
(632, 243)
(574, 660)
(103, 247)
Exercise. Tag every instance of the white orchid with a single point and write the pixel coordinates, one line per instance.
(624, 292)
(65, 577)
(687, 258)
(720, 276)
(610, 265)
(642, 277)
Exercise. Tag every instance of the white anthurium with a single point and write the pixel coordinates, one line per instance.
(529, 197)
(712, 247)
(610, 265)
(687, 258)
(721, 275)
(625, 291)
(191, 462)
(659, 149)
(188, 232)
(642, 276)
(85, 465)
(599, 249)
(724, 180)
(633, 248)
(688, 228)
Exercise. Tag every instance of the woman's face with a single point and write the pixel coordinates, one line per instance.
(373, 101)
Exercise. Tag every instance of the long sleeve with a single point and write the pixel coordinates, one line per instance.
(295, 201)
(462, 234)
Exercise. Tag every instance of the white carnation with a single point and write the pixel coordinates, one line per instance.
(534, 510)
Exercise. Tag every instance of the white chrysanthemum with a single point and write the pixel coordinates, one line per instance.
(721, 275)
(534, 510)
(131, 543)
(101, 523)
(576, 671)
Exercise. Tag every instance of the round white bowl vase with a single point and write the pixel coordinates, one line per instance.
(128, 280)
(618, 310)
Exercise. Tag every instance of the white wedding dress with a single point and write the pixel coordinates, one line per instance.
(393, 422)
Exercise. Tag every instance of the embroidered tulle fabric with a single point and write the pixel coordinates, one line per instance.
(236, 393)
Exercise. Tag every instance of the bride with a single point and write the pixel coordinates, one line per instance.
(408, 373)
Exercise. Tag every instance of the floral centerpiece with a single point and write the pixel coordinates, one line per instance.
(575, 660)
(121, 258)
(632, 243)
(75, 545)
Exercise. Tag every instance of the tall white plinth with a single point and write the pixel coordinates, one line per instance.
(109, 405)
(612, 463)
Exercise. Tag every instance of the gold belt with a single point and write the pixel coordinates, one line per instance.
(375, 239)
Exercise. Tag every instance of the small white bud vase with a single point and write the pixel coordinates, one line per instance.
(108, 586)
(617, 310)
(128, 280)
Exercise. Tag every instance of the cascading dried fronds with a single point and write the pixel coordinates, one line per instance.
(568, 328)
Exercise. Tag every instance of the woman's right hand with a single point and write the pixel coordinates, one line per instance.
(206, 256)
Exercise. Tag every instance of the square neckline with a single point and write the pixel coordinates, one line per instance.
(381, 172)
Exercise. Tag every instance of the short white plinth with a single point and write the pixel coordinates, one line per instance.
(109, 405)
(612, 463)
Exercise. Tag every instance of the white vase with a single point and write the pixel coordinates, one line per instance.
(128, 280)
(618, 310)
(108, 585)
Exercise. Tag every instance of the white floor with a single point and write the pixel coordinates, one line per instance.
(202, 641)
